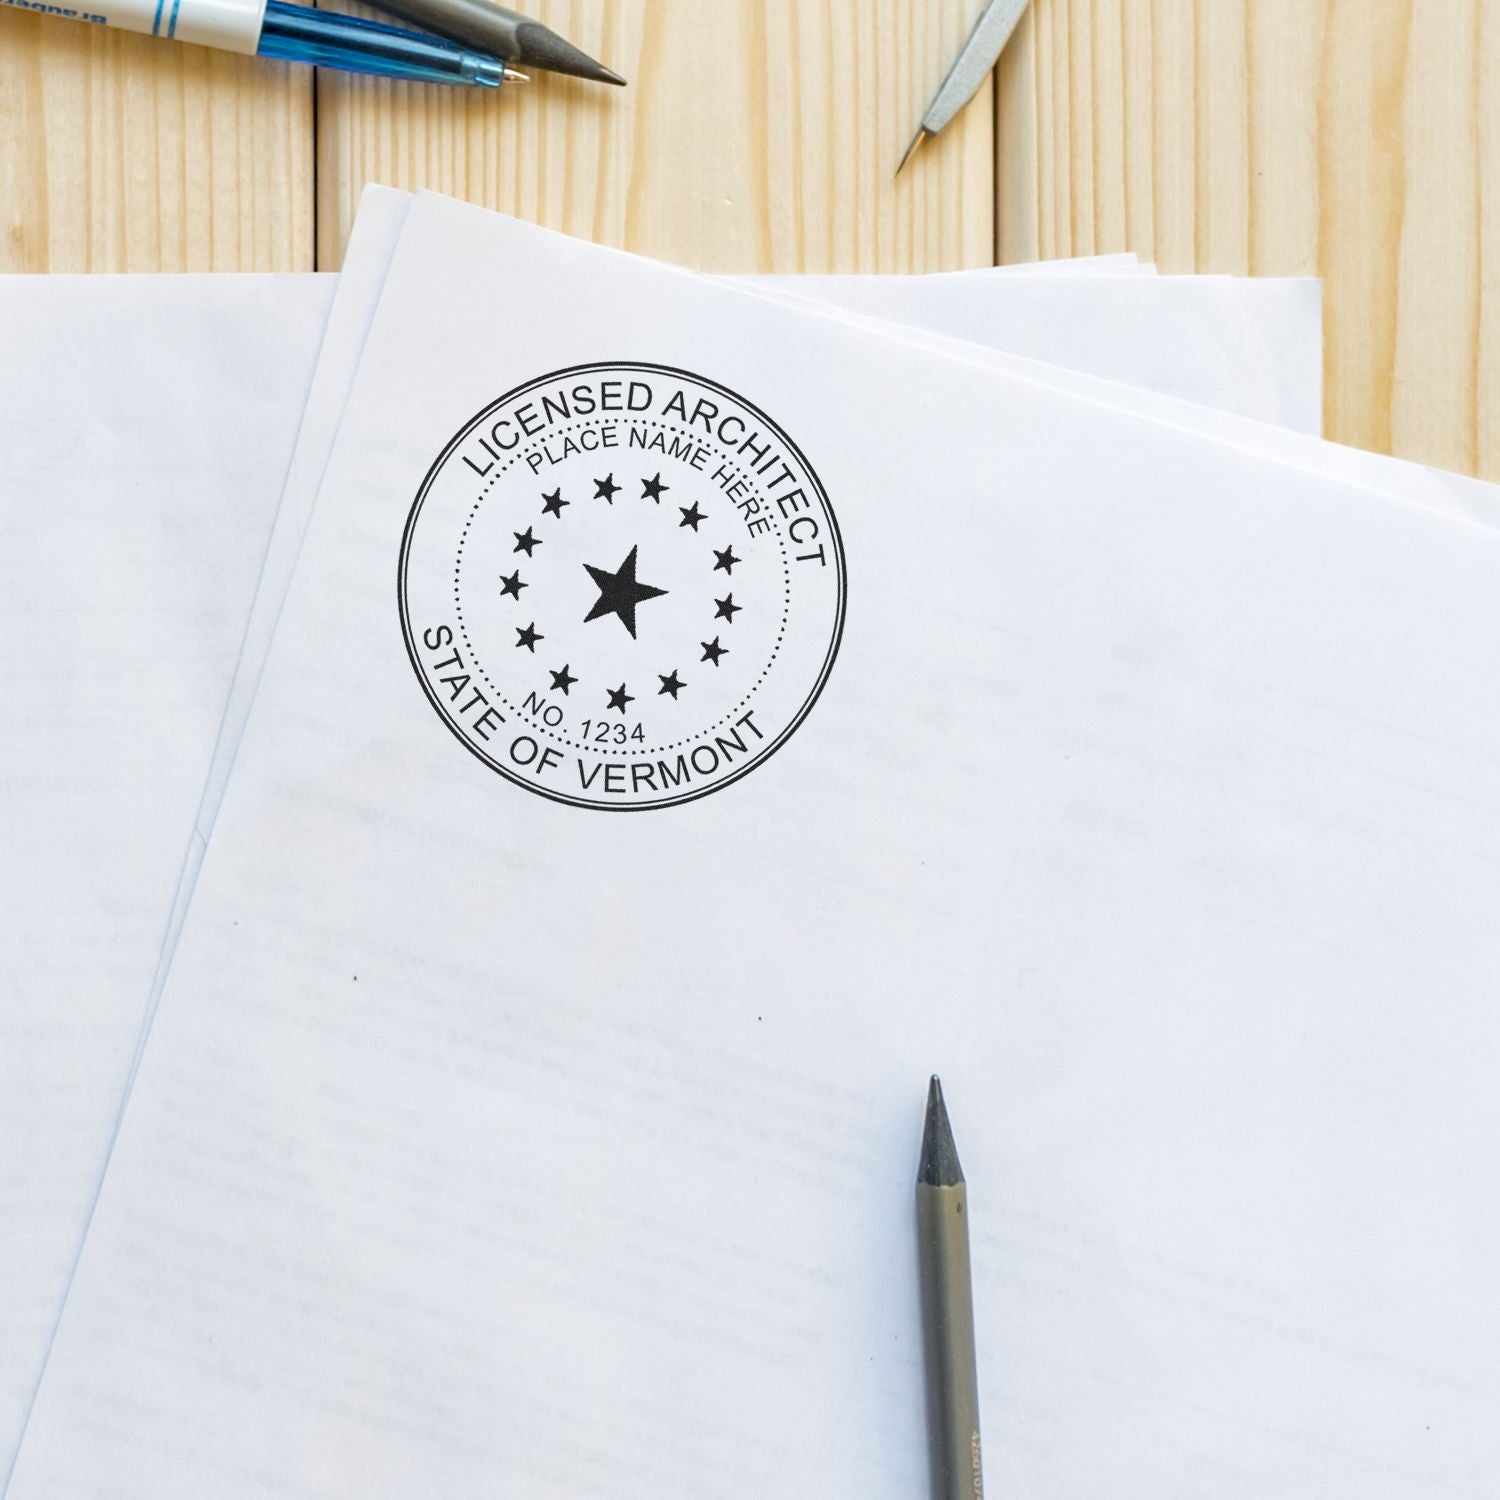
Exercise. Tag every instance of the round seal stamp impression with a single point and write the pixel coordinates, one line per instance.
(622, 586)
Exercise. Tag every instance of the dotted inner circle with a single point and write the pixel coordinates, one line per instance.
(542, 729)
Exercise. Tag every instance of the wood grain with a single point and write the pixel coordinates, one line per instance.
(754, 135)
(1352, 139)
(126, 153)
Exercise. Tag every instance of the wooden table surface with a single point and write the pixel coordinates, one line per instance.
(1358, 140)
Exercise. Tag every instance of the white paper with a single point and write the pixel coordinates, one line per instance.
(55, 1212)
(1456, 495)
(343, 334)
(1230, 342)
(1284, 356)
(487, 1145)
(145, 429)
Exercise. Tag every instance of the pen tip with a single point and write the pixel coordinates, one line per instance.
(916, 141)
(938, 1165)
(511, 75)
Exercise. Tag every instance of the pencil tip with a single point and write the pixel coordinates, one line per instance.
(916, 141)
(541, 47)
(938, 1165)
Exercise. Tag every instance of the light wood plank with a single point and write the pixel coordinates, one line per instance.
(1437, 316)
(1056, 100)
(1108, 146)
(1355, 139)
(1174, 96)
(1138, 125)
(1080, 125)
(127, 153)
(1282, 86)
(1487, 352)
(1018, 140)
(754, 135)
(1222, 188)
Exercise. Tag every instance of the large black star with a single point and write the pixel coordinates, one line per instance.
(529, 637)
(726, 560)
(691, 515)
(618, 697)
(712, 651)
(510, 583)
(552, 504)
(563, 680)
(670, 684)
(727, 609)
(619, 593)
(525, 541)
(606, 488)
(651, 489)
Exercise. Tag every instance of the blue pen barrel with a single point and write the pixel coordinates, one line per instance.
(296, 33)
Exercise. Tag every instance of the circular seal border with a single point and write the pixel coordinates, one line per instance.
(416, 509)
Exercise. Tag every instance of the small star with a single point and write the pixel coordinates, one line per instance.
(691, 515)
(712, 650)
(651, 489)
(620, 592)
(727, 609)
(525, 541)
(562, 681)
(529, 637)
(618, 698)
(552, 504)
(512, 584)
(726, 560)
(606, 488)
(670, 685)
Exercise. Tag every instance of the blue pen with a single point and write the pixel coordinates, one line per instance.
(296, 33)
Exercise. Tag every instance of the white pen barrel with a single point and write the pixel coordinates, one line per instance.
(230, 25)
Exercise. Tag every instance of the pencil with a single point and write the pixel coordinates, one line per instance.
(947, 1310)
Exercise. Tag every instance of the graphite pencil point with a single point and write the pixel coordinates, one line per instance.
(938, 1165)
(540, 47)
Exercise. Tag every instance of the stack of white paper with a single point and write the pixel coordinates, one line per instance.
(148, 426)
(1122, 756)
